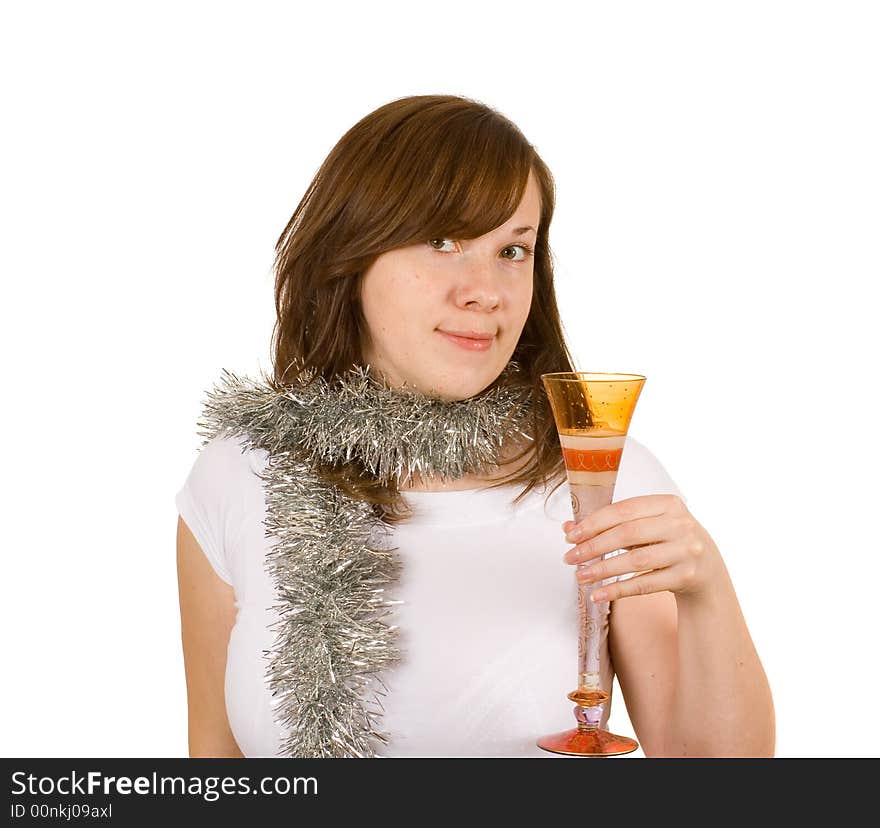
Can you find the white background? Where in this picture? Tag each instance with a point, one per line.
(716, 230)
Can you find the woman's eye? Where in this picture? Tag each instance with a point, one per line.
(526, 250)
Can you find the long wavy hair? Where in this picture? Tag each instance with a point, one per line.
(416, 168)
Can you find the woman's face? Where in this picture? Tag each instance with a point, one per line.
(411, 295)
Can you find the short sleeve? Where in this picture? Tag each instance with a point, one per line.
(641, 473)
(206, 499)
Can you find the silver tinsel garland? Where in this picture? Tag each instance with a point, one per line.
(332, 574)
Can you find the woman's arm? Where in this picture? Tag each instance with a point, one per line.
(723, 702)
(692, 680)
(643, 646)
(686, 663)
(207, 615)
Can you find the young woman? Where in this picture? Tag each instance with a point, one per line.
(421, 249)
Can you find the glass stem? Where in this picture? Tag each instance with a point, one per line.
(588, 638)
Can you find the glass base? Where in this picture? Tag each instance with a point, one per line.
(587, 742)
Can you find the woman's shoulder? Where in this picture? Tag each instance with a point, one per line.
(221, 494)
(223, 477)
(641, 472)
(230, 455)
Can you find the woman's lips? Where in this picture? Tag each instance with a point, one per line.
(468, 344)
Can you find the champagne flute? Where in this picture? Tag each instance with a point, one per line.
(592, 413)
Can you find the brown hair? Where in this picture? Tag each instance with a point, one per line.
(419, 167)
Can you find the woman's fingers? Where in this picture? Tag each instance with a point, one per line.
(637, 559)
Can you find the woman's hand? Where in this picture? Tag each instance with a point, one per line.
(665, 546)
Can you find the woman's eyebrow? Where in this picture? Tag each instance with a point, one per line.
(520, 230)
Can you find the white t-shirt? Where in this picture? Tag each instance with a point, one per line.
(487, 624)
